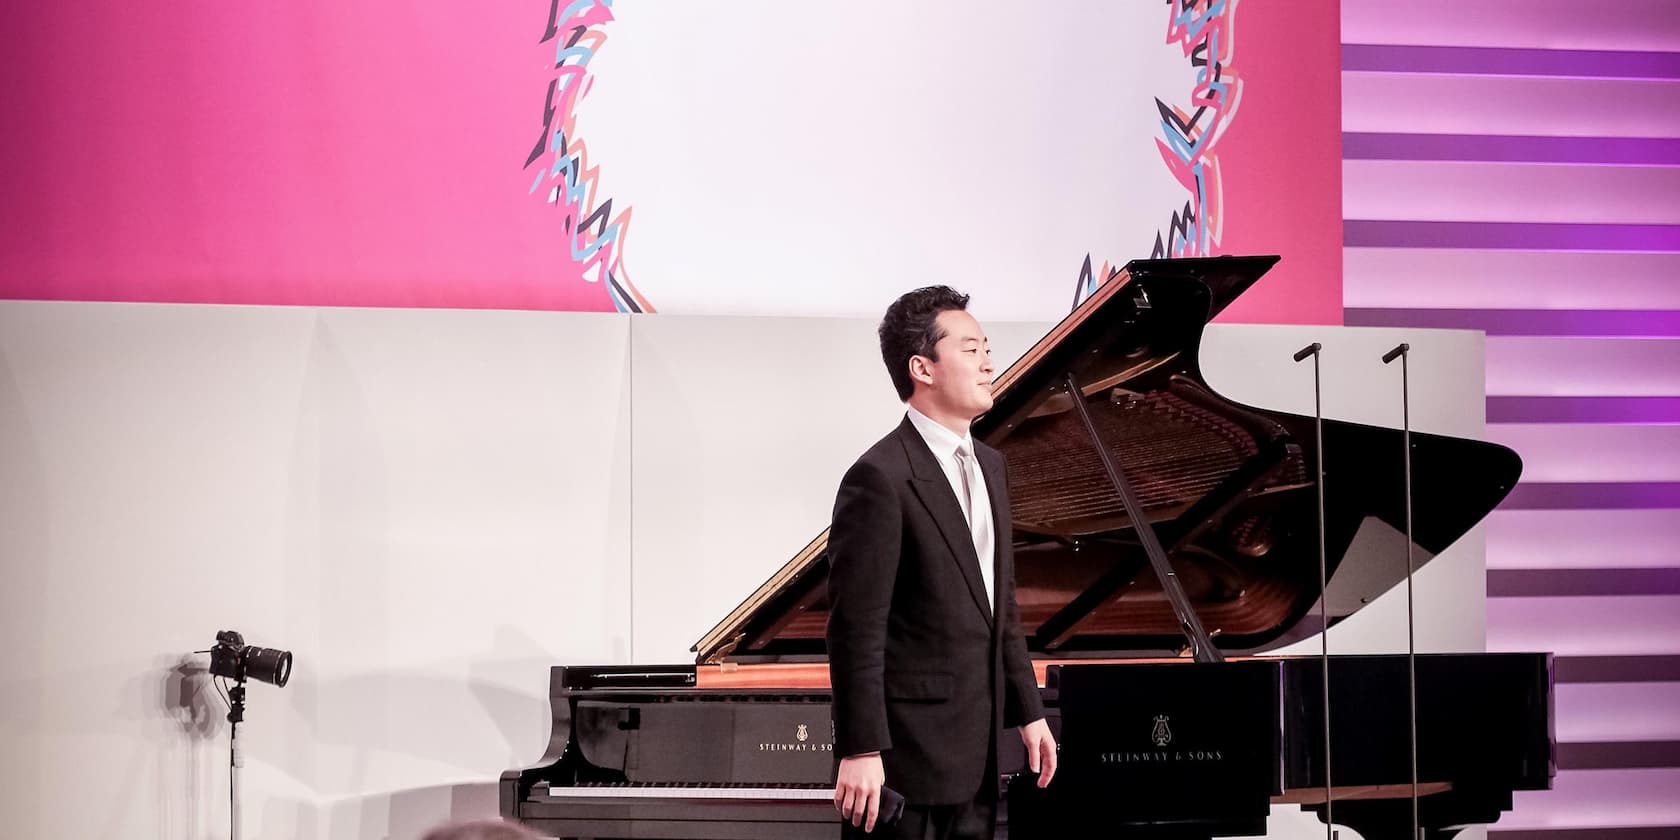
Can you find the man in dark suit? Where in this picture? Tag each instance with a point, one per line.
(926, 657)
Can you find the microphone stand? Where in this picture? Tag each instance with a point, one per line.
(1401, 352)
(1313, 350)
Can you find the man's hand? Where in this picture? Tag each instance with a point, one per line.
(857, 788)
(1041, 750)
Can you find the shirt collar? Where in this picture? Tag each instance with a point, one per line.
(941, 440)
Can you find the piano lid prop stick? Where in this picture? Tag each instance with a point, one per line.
(1313, 350)
(1200, 645)
(1402, 352)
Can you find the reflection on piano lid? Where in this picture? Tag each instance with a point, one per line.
(691, 750)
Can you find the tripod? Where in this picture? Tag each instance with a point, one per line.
(236, 761)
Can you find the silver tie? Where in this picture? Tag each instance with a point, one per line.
(979, 521)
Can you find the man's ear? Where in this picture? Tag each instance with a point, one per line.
(919, 370)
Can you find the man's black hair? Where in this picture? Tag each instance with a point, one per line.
(910, 328)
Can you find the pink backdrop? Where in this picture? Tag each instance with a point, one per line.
(306, 152)
(379, 154)
(1281, 163)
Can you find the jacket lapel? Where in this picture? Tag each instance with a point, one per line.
(934, 490)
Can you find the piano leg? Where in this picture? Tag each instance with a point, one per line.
(1441, 816)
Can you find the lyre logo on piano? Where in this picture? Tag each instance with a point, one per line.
(1161, 735)
(800, 743)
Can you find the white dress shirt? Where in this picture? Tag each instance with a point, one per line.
(944, 444)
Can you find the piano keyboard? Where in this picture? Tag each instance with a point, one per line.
(679, 791)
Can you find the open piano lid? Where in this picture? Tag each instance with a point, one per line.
(1229, 490)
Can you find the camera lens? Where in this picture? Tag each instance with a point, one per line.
(235, 660)
(267, 664)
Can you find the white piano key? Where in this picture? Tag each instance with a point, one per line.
(679, 792)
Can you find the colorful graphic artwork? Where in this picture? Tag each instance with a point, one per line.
(594, 234)
(1205, 31)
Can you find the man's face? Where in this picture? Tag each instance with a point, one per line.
(962, 377)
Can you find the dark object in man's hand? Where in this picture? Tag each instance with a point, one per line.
(891, 808)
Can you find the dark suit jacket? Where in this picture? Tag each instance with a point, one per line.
(920, 669)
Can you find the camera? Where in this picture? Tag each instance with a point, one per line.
(234, 659)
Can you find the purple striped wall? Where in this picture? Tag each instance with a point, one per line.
(1513, 166)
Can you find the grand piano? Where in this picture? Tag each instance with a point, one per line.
(1149, 619)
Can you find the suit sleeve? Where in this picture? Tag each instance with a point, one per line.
(863, 554)
(1022, 703)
